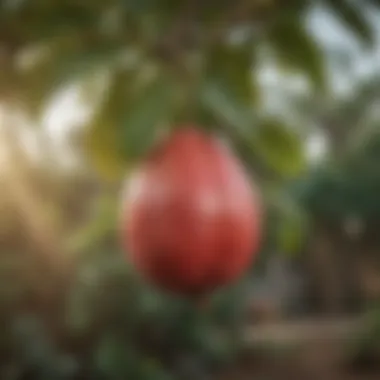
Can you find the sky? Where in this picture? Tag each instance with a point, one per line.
(347, 60)
(336, 38)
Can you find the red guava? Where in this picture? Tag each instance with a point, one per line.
(191, 221)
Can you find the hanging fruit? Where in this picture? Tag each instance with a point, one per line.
(191, 219)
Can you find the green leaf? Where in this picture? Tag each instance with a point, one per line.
(103, 149)
(104, 136)
(360, 138)
(353, 18)
(152, 369)
(291, 222)
(115, 359)
(374, 3)
(56, 65)
(220, 101)
(228, 90)
(231, 66)
(100, 226)
(152, 109)
(126, 126)
(80, 311)
(291, 233)
(295, 48)
(279, 147)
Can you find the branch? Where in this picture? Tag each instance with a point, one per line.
(307, 331)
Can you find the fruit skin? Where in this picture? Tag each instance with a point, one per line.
(191, 220)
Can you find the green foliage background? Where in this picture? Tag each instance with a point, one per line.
(146, 67)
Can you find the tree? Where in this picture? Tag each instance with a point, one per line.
(163, 62)
(145, 66)
(341, 199)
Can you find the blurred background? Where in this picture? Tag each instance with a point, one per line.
(86, 88)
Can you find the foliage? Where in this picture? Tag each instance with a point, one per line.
(164, 63)
(109, 324)
(348, 185)
(348, 189)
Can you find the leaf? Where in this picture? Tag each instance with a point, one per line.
(373, 3)
(226, 108)
(100, 226)
(32, 343)
(291, 225)
(153, 108)
(152, 369)
(56, 64)
(352, 17)
(129, 120)
(360, 138)
(295, 48)
(115, 359)
(279, 147)
(103, 143)
(231, 66)
(291, 233)
(103, 149)
(80, 312)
